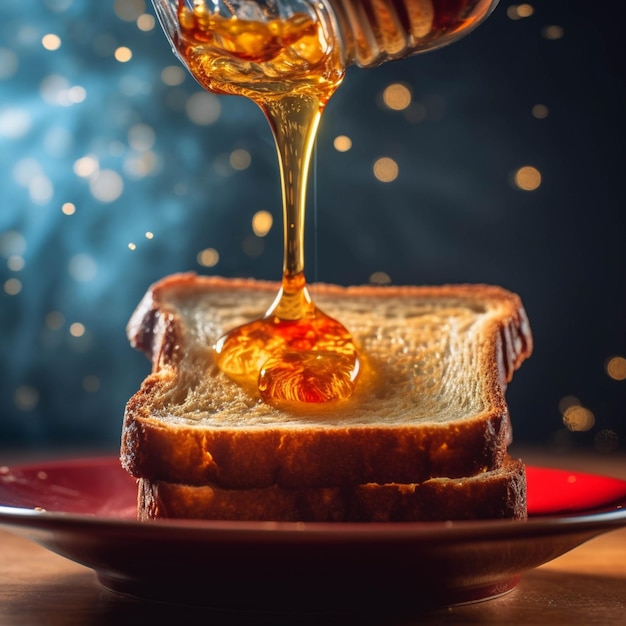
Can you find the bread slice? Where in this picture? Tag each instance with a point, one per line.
(429, 401)
(497, 494)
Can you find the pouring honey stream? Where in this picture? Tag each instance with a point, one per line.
(289, 68)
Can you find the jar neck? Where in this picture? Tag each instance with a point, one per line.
(374, 31)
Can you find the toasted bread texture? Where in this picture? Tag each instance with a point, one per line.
(428, 403)
(496, 494)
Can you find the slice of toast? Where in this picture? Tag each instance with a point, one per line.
(497, 494)
(429, 401)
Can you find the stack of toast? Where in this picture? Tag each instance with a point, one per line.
(424, 436)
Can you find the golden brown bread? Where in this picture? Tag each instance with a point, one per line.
(429, 402)
(498, 494)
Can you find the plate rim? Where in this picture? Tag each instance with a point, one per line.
(599, 518)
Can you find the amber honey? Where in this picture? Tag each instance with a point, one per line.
(259, 60)
(290, 68)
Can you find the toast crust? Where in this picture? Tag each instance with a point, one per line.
(500, 494)
(292, 449)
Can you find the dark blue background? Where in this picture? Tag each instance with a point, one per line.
(452, 215)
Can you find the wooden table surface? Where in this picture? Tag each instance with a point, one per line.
(585, 586)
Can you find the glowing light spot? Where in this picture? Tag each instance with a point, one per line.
(525, 10)
(16, 263)
(397, 97)
(12, 286)
(106, 186)
(203, 108)
(342, 143)
(26, 397)
(519, 11)
(138, 166)
(91, 383)
(240, 159)
(54, 89)
(149, 235)
(616, 368)
(262, 223)
(552, 32)
(26, 169)
(132, 246)
(141, 137)
(540, 111)
(123, 54)
(14, 123)
(82, 268)
(527, 178)
(146, 22)
(77, 329)
(51, 41)
(86, 166)
(209, 257)
(385, 170)
(578, 418)
(380, 278)
(8, 63)
(76, 94)
(173, 75)
(129, 10)
(12, 243)
(68, 208)
(54, 320)
(26, 35)
(40, 189)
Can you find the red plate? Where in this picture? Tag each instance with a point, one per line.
(84, 510)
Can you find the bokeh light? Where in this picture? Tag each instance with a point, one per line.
(385, 170)
(51, 41)
(616, 368)
(129, 10)
(553, 32)
(173, 75)
(123, 54)
(209, 257)
(397, 97)
(342, 143)
(380, 278)
(540, 111)
(520, 11)
(146, 22)
(240, 159)
(262, 222)
(26, 397)
(203, 108)
(578, 418)
(527, 178)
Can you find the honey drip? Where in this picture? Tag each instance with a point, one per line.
(290, 68)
